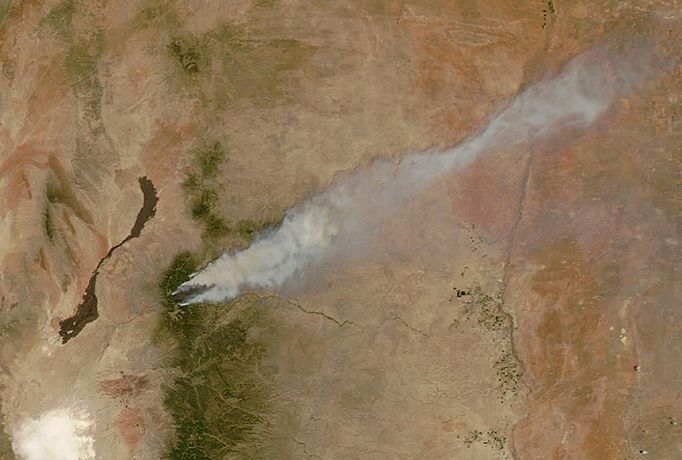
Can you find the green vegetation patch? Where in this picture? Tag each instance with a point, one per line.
(158, 14)
(249, 229)
(6, 451)
(8, 11)
(81, 62)
(85, 45)
(232, 62)
(188, 53)
(59, 191)
(256, 68)
(202, 186)
(59, 18)
(48, 223)
(83, 55)
(265, 3)
(218, 403)
(53, 196)
(183, 265)
(203, 204)
(210, 159)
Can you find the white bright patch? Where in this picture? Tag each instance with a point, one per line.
(60, 434)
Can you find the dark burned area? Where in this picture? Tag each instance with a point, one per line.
(87, 312)
(461, 292)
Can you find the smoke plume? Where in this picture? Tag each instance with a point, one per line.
(344, 216)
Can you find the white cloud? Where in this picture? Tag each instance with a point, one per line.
(60, 434)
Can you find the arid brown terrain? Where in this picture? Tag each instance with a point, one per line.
(526, 306)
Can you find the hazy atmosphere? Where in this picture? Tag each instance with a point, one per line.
(339, 220)
(297, 229)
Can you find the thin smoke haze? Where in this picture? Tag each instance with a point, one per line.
(342, 217)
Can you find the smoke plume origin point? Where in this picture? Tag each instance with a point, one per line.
(343, 217)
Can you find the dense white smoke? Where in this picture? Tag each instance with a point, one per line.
(342, 217)
(61, 434)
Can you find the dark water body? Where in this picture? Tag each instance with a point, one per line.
(86, 312)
